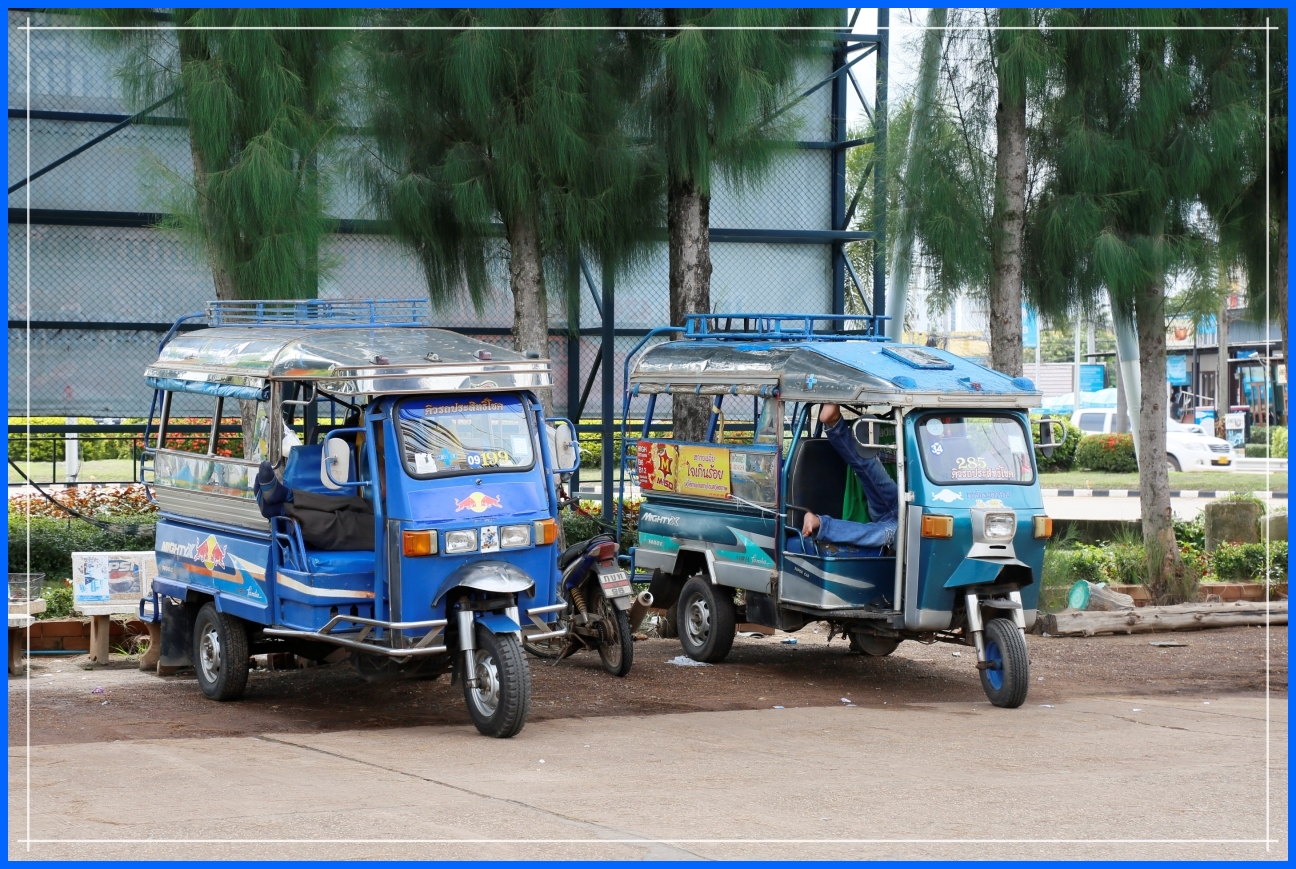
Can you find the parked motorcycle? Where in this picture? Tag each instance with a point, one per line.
(599, 600)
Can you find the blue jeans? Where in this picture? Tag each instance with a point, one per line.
(880, 491)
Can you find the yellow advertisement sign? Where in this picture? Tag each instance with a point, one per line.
(703, 471)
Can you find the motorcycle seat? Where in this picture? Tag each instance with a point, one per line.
(576, 550)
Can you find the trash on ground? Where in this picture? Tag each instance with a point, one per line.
(790, 641)
(755, 635)
(1166, 644)
(686, 661)
(957, 654)
(778, 707)
(97, 691)
(1046, 705)
(845, 700)
(105, 703)
(640, 636)
(1136, 710)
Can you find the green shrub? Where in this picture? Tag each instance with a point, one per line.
(1245, 562)
(1258, 434)
(1191, 532)
(54, 540)
(1127, 564)
(1107, 452)
(1256, 451)
(1064, 456)
(58, 601)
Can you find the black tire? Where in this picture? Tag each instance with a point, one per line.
(220, 654)
(707, 620)
(1006, 686)
(1172, 464)
(617, 648)
(499, 706)
(874, 646)
(668, 626)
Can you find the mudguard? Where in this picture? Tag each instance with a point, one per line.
(498, 623)
(497, 576)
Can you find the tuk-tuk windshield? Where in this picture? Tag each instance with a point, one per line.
(468, 434)
(958, 449)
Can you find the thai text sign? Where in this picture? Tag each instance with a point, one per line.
(702, 471)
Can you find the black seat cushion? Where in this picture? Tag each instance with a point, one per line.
(816, 480)
(333, 522)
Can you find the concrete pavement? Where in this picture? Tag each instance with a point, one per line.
(1094, 778)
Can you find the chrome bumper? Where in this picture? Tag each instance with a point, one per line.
(545, 634)
(360, 639)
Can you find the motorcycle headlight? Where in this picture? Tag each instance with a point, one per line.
(515, 536)
(1000, 526)
(461, 541)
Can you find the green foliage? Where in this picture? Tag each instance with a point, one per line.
(1247, 562)
(1063, 457)
(1267, 441)
(1106, 452)
(54, 540)
(581, 525)
(1191, 532)
(58, 601)
(262, 108)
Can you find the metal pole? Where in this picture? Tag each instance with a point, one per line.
(837, 121)
(1075, 375)
(607, 408)
(572, 286)
(880, 164)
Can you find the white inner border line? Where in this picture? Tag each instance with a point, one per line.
(28, 29)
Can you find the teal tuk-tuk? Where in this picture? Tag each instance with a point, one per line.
(721, 520)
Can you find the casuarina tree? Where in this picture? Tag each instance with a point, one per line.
(504, 121)
(718, 81)
(1134, 142)
(261, 109)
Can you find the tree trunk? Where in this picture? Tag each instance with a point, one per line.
(1168, 579)
(526, 280)
(1007, 228)
(688, 226)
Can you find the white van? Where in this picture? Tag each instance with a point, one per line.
(1187, 447)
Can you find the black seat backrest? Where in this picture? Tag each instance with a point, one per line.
(816, 480)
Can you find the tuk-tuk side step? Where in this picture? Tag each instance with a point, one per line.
(859, 613)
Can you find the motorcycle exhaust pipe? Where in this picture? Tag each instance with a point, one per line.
(639, 609)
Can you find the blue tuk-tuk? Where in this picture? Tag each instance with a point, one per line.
(416, 514)
(721, 531)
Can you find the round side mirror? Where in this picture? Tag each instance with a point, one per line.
(562, 437)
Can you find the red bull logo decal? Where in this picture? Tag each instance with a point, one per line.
(477, 502)
(210, 553)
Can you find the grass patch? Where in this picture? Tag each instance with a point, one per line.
(100, 471)
(1220, 481)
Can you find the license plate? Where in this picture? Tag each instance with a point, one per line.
(615, 583)
(1220, 462)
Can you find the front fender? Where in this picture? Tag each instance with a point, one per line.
(497, 576)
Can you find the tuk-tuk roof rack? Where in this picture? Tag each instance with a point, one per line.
(320, 313)
(785, 327)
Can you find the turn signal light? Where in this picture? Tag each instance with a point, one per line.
(1043, 527)
(937, 526)
(546, 532)
(416, 543)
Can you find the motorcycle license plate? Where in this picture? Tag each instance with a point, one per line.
(615, 583)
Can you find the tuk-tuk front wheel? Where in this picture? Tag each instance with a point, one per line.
(707, 620)
(220, 654)
(1008, 678)
(499, 702)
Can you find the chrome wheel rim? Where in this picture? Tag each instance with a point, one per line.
(486, 696)
(209, 654)
(697, 621)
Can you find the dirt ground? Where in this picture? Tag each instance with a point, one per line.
(760, 673)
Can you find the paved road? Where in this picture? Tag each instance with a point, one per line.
(1174, 778)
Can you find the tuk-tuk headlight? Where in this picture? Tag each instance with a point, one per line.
(1000, 526)
(515, 536)
(461, 541)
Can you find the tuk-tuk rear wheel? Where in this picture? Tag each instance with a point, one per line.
(220, 654)
(707, 620)
(499, 704)
(1007, 683)
(872, 645)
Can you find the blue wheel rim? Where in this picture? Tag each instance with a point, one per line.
(993, 656)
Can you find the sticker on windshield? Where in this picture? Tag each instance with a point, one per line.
(424, 463)
(977, 468)
(490, 541)
(937, 449)
(935, 427)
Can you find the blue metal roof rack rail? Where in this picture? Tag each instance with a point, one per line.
(320, 313)
(785, 327)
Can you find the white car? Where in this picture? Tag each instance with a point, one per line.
(1187, 447)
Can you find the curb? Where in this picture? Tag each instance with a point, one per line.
(1174, 493)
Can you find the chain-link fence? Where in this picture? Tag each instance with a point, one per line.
(94, 284)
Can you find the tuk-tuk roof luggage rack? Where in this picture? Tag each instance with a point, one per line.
(786, 327)
(320, 313)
